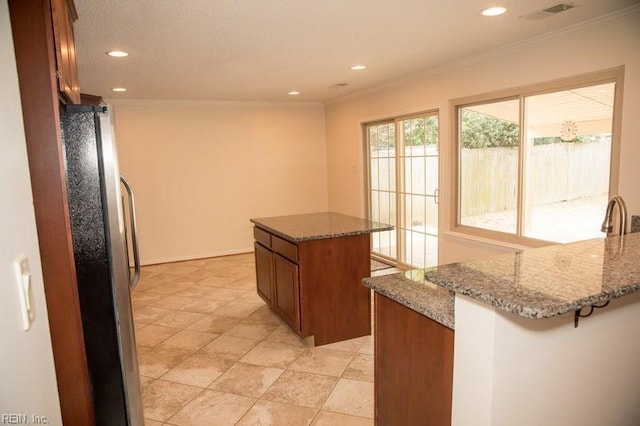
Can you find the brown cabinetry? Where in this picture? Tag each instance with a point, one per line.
(315, 285)
(413, 365)
(31, 26)
(64, 15)
(287, 301)
(264, 272)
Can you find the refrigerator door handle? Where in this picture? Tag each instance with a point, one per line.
(134, 234)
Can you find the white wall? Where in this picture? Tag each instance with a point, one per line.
(27, 376)
(510, 370)
(599, 45)
(201, 170)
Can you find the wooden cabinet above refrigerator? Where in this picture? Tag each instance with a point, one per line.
(64, 15)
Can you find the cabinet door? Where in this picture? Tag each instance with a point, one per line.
(264, 272)
(287, 300)
(413, 367)
(64, 15)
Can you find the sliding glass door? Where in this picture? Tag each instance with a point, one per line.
(402, 188)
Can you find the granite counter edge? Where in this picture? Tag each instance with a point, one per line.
(531, 311)
(318, 236)
(437, 306)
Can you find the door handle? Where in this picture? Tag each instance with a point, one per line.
(134, 233)
(436, 195)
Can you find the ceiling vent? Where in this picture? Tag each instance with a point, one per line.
(339, 85)
(550, 11)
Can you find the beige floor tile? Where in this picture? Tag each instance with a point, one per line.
(229, 347)
(172, 302)
(277, 414)
(152, 335)
(167, 284)
(283, 334)
(149, 422)
(179, 319)
(145, 381)
(213, 323)
(156, 362)
(199, 272)
(236, 310)
(223, 294)
(187, 341)
(145, 298)
(367, 345)
(202, 306)
(201, 325)
(251, 330)
(272, 354)
(322, 361)
(304, 389)
(327, 418)
(239, 282)
(213, 281)
(148, 314)
(196, 291)
(167, 289)
(247, 379)
(198, 370)
(263, 315)
(351, 397)
(213, 408)
(251, 296)
(351, 345)
(163, 399)
(360, 368)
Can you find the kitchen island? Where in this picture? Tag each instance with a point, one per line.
(544, 336)
(309, 268)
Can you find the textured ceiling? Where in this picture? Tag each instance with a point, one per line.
(259, 50)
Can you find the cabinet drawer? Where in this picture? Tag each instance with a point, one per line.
(263, 237)
(285, 248)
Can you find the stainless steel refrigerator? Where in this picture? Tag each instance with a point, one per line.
(101, 244)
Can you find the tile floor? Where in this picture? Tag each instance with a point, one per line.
(212, 353)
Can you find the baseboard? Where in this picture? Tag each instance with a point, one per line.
(148, 262)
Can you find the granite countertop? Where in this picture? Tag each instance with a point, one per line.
(536, 283)
(549, 281)
(411, 290)
(316, 226)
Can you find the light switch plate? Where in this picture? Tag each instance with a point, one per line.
(23, 281)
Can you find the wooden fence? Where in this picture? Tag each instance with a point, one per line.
(555, 172)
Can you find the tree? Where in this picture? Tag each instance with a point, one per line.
(421, 131)
(483, 131)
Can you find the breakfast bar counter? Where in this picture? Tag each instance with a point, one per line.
(542, 336)
(309, 268)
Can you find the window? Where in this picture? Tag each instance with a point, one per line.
(536, 165)
(402, 188)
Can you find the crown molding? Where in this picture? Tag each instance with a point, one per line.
(483, 56)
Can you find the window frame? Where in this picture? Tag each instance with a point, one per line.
(613, 75)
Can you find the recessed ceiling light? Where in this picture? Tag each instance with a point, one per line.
(294, 93)
(117, 53)
(358, 67)
(119, 89)
(494, 11)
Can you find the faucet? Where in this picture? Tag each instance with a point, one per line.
(607, 224)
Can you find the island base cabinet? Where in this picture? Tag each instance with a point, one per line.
(413, 367)
(315, 286)
(334, 304)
